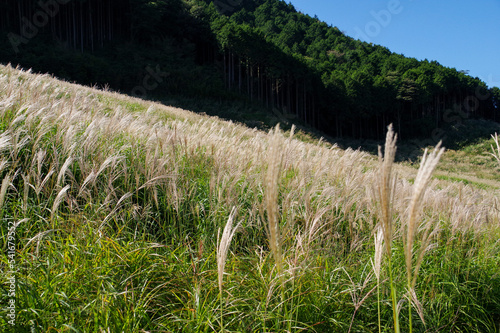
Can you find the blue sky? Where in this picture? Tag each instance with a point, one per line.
(461, 34)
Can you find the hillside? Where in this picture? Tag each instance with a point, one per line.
(242, 60)
(114, 210)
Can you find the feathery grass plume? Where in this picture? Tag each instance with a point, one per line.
(59, 198)
(3, 192)
(26, 189)
(223, 245)
(386, 186)
(429, 163)
(117, 207)
(64, 169)
(495, 154)
(222, 249)
(377, 265)
(3, 164)
(89, 179)
(5, 141)
(274, 159)
(379, 251)
(427, 166)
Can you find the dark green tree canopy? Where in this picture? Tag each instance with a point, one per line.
(263, 49)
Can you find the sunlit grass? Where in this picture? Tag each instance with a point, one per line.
(118, 205)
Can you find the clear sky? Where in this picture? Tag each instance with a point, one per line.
(462, 34)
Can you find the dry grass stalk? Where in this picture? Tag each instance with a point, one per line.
(385, 194)
(61, 177)
(427, 166)
(5, 142)
(271, 183)
(379, 251)
(223, 246)
(26, 189)
(377, 265)
(59, 198)
(3, 191)
(386, 185)
(117, 207)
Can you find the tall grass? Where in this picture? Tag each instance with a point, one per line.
(119, 204)
(413, 224)
(222, 250)
(386, 191)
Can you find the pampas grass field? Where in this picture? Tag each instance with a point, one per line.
(122, 215)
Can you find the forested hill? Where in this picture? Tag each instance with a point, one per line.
(261, 51)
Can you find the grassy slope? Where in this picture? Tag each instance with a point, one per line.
(473, 164)
(119, 202)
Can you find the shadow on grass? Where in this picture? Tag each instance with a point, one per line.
(471, 132)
